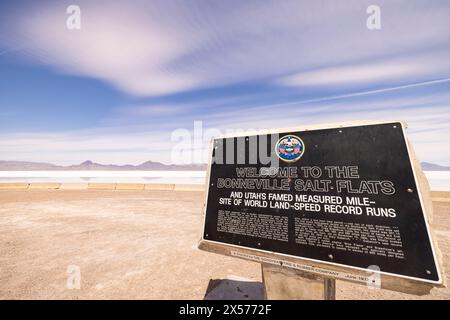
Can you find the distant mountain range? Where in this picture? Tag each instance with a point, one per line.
(89, 165)
(426, 166)
(148, 165)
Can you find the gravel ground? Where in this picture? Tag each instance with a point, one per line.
(130, 245)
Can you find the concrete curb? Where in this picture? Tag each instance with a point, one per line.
(130, 186)
(14, 186)
(440, 199)
(189, 187)
(44, 186)
(440, 196)
(165, 187)
(73, 186)
(101, 186)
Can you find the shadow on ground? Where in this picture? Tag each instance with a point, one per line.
(228, 289)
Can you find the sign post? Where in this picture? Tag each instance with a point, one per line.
(317, 204)
(285, 283)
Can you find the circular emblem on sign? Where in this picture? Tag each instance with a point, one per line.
(290, 148)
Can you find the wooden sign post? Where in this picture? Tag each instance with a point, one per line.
(313, 205)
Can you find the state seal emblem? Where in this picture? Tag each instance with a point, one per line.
(290, 148)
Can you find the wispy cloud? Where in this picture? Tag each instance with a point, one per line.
(129, 46)
(160, 47)
(388, 71)
(316, 61)
(427, 115)
(373, 92)
(354, 74)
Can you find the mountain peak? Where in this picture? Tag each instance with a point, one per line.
(148, 162)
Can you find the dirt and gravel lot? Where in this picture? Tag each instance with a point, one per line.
(130, 245)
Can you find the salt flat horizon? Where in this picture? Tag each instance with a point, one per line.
(438, 180)
(99, 176)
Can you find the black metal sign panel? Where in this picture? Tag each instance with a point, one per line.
(345, 196)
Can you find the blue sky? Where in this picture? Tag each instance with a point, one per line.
(115, 90)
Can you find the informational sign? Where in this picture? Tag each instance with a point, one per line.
(343, 196)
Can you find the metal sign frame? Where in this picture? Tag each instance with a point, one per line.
(227, 248)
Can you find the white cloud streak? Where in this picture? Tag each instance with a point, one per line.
(427, 117)
(161, 47)
(354, 74)
(151, 48)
